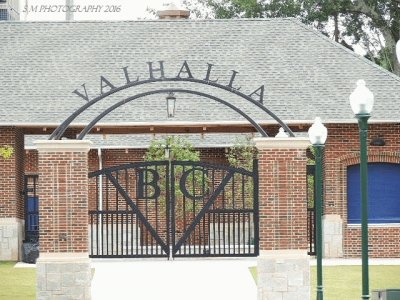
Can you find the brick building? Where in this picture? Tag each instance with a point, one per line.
(55, 68)
(9, 10)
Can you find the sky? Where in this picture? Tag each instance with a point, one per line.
(40, 10)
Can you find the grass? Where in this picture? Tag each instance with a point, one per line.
(17, 283)
(344, 282)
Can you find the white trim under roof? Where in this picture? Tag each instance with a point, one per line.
(94, 146)
(182, 123)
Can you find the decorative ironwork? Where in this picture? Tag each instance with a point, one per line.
(129, 99)
(311, 213)
(31, 208)
(59, 131)
(172, 209)
(124, 225)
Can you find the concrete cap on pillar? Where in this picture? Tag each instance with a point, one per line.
(281, 143)
(63, 145)
(172, 12)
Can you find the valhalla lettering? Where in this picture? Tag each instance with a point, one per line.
(157, 73)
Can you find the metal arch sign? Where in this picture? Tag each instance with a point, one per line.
(157, 74)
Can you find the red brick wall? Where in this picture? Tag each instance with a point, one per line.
(114, 157)
(342, 150)
(63, 202)
(19, 173)
(383, 242)
(213, 155)
(31, 162)
(11, 174)
(282, 197)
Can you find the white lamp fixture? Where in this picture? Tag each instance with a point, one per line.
(317, 132)
(361, 99)
(282, 133)
(171, 99)
(398, 51)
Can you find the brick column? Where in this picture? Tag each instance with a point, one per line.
(63, 266)
(283, 264)
(11, 196)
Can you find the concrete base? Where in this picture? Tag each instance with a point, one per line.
(283, 275)
(63, 276)
(11, 236)
(333, 236)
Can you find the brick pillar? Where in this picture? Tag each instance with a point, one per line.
(283, 264)
(11, 196)
(63, 266)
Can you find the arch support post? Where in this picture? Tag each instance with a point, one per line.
(63, 266)
(283, 265)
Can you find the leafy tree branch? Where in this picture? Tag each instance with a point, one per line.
(6, 152)
(367, 23)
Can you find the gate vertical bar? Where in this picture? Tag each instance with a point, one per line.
(256, 208)
(170, 177)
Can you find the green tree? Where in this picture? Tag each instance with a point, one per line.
(374, 25)
(172, 148)
(6, 152)
(242, 154)
(177, 148)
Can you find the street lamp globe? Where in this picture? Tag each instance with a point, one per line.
(361, 99)
(317, 132)
(398, 51)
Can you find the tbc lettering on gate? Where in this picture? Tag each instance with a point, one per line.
(148, 186)
(145, 181)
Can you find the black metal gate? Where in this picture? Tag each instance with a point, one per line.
(173, 209)
(311, 217)
(31, 208)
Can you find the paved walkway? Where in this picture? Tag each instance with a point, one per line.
(205, 279)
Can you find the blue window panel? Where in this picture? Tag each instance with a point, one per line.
(383, 193)
(33, 213)
(3, 14)
(33, 204)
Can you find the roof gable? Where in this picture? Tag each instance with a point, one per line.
(304, 73)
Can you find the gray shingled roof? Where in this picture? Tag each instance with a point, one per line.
(305, 74)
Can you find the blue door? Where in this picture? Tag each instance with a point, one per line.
(383, 193)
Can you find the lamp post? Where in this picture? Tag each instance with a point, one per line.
(317, 135)
(171, 99)
(398, 51)
(362, 101)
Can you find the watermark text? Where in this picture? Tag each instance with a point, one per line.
(72, 8)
